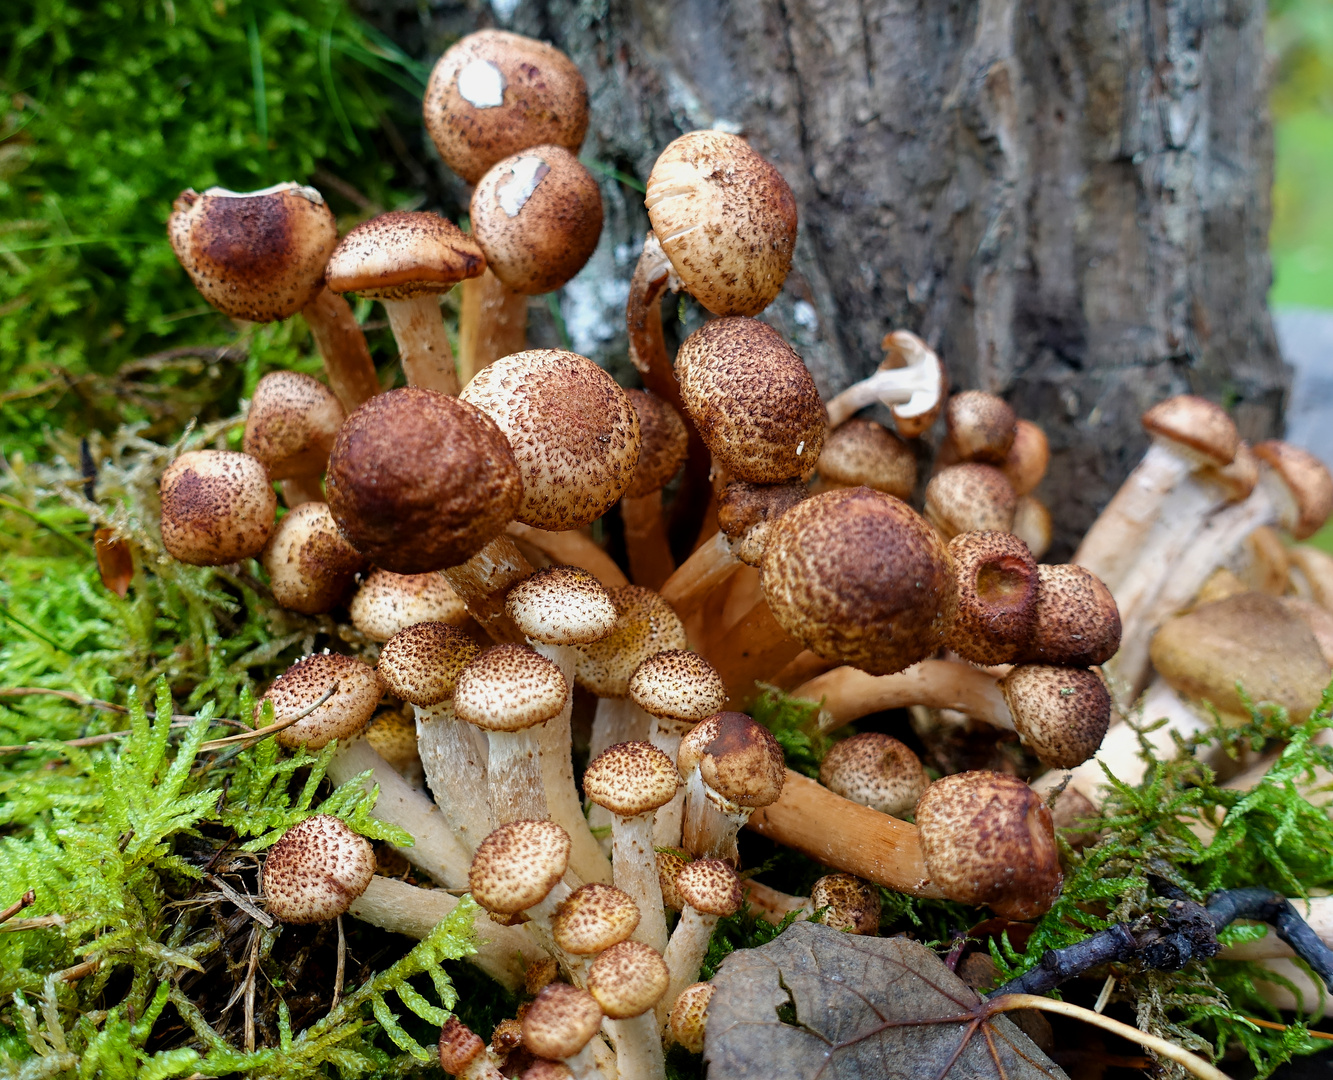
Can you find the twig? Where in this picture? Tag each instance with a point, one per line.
(243, 902)
(250, 993)
(1264, 905)
(39, 923)
(342, 966)
(247, 737)
(1283, 1027)
(18, 905)
(78, 971)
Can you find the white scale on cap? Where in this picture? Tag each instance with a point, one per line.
(526, 173)
(481, 84)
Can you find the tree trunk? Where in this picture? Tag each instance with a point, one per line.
(1069, 199)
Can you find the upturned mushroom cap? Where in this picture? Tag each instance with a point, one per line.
(752, 400)
(316, 870)
(875, 770)
(645, 624)
(711, 887)
(310, 564)
(255, 255)
(677, 685)
(725, 218)
(458, 1047)
(562, 605)
(494, 93)
(670, 862)
(1195, 427)
(862, 452)
(537, 216)
(1026, 462)
(509, 688)
(981, 426)
(746, 512)
(403, 254)
(517, 865)
(1060, 713)
(1033, 524)
(859, 578)
(631, 778)
(628, 979)
(970, 497)
(293, 421)
(904, 350)
(1307, 483)
(422, 663)
(997, 597)
(1078, 623)
(343, 715)
(574, 432)
(853, 905)
(388, 602)
(593, 918)
(988, 839)
(736, 757)
(559, 1023)
(665, 444)
(218, 507)
(419, 480)
(689, 1015)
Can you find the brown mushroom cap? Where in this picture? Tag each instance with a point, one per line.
(559, 1023)
(562, 605)
(752, 399)
(255, 255)
(509, 688)
(631, 778)
(1307, 482)
(736, 757)
(403, 254)
(627, 979)
(315, 871)
(517, 865)
(1060, 713)
(875, 770)
(458, 1046)
(858, 577)
(494, 93)
(574, 432)
(862, 452)
(711, 887)
(982, 426)
(689, 1015)
(853, 905)
(305, 682)
(725, 218)
(746, 512)
(593, 918)
(969, 498)
(541, 1069)
(292, 423)
(419, 480)
(988, 839)
(1078, 623)
(388, 602)
(997, 597)
(678, 685)
(665, 444)
(422, 663)
(1033, 524)
(1197, 428)
(645, 624)
(310, 564)
(218, 507)
(670, 862)
(1026, 462)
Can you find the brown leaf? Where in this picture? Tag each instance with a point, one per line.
(817, 1003)
(114, 561)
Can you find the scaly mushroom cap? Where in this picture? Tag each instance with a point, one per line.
(711, 887)
(393, 735)
(293, 421)
(1026, 462)
(1033, 525)
(725, 218)
(853, 905)
(574, 432)
(388, 602)
(752, 399)
(689, 1015)
(458, 1047)
(562, 605)
(970, 497)
(628, 979)
(1195, 427)
(665, 444)
(631, 778)
(517, 865)
(494, 93)
(541, 1069)
(670, 862)
(342, 716)
(255, 255)
(988, 839)
(593, 918)
(859, 578)
(1060, 713)
(678, 685)
(310, 564)
(559, 1023)
(981, 426)
(736, 757)
(862, 452)
(1307, 482)
(218, 507)
(509, 688)
(403, 254)
(875, 770)
(422, 663)
(419, 480)
(1078, 623)
(537, 216)
(645, 624)
(997, 597)
(316, 870)
(746, 512)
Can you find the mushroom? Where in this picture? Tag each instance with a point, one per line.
(970, 497)
(864, 453)
(311, 566)
(688, 1016)
(594, 917)
(848, 904)
(875, 770)
(670, 862)
(393, 735)
(464, 1055)
(291, 426)
(1078, 623)
(982, 427)
(1033, 524)
(517, 871)
(711, 890)
(731, 766)
(1025, 464)
(628, 980)
(665, 446)
(315, 871)
(218, 507)
(998, 594)
(561, 1024)
(1312, 574)
(910, 381)
(357, 689)
(387, 602)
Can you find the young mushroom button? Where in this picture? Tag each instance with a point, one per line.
(875, 770)
(982, 427)
(689, 1015)
(1078, 623)
(850, 904)
(218, 507)
(301, 689)
(311, 566)
(1060, 713)
(315, 871)
(464, 1055)
(1025, 464)
(628, 980)
(711, 890)
(997, 597)
(968, 498)
(561, 1024)
(862, 452)
(291, 426)
(593, 918)
(517, 871)
(387, 602)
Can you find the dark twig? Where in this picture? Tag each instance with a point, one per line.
(1264, 905)
(18, 905)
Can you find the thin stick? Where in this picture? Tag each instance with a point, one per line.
(243, 902)
(1283, 1027)
(259, 734)
(250, 993)
(18, 905)
(342, 965)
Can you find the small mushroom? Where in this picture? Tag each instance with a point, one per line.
(875, 770)
(218, 507)
(628, 980)
(689, 1015)
(982, 427)
(998, 594)
(849, 904)
(910, 381)
(1078, 624)
(561, 1024)
(1061, 714)
(311, 567)
(464, 1055)
(1033, 524)
(356, 687)
(291, 426)
(593, 918)
(1028, 457)
(970, 497)
(387, 602)
(665, 447)
(862, 452)
(731, 767)
(517, 872)
(315, 871)
(711, 890)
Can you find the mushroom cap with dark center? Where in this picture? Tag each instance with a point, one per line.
(736, 757)
(981, 426)
(665, 444)
(419, 480)
(670, 862)
(1026, 462)
(875, 770)
(218, 507)
(1060, 713)
(678, 685)
(315, 871)
(559, 1023)
(752, 400)
(997, 597)
(628, 979)
(593, 918)
(459, 1047)
(689, 1015)
(711, 887)
(422, 663)
(403, 254)
(862, 452)
(562, 605)
(310, 564)
(1307, 480)
(1196, 427)
(388, 602)
(746, 512)
(292, 423)
(860, 578)
(517, 865)
(494, 93)
(853, 905)
(631, 778)
(970, 497)
(645, 624)
(725, 218)
(509, 688)
(341, 716)
(1078, 623)
(574, 432)
(256, 255)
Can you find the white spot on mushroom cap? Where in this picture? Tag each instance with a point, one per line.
(527, 173)
(482, 84)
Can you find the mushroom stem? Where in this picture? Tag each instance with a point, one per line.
(639, 1053)
(755, 647)
(455, 771)
(617, 720)
(707, 569)
(343, 346)
(571, 547)
(665, 734)
(650, 561)
(773, 905)
(711, 821)
(301, 489)
(635, 865)
(685, 954)
(514, 777)
(492, 322)
(847, 693)
(423, 344)
(894, 386)
(483, 582)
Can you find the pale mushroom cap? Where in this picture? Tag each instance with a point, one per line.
(419, 480)
(970, 497)
(458, 1046)
(670, 862)
(903, 349)
(628, 979)
(292, 423)
(645, 624)
(997, 597)
(752, 400)
(494, 93)
(393, 735)
(218, 507)
(665, 444)
(1026, 462)
(859, 578)
(875, 770)
(562, 605)
(542, 1069)
(725, 218)
(678, 685)
(574, 432)
(981, 425)
(746, 513)
(689, 1015)
(736, 757)
(631, 778)
(517, 865)
(593, 918)
(422, 663)
(257, 255)
(853, 905)
(1198, 428)
(711, 887)
(388, 602)
(988, 839)
(316, 870)
(1033, 524)
(311, 566)
(342, 716)
(559, 1023)
(1061, 713)
(1078, 623)
(862, 452)
(509, 688)
(403, 254)
(1306, 479)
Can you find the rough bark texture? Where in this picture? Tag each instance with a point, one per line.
(1069, 199)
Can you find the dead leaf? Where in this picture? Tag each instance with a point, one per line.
(114, 561)
(817, 1003)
